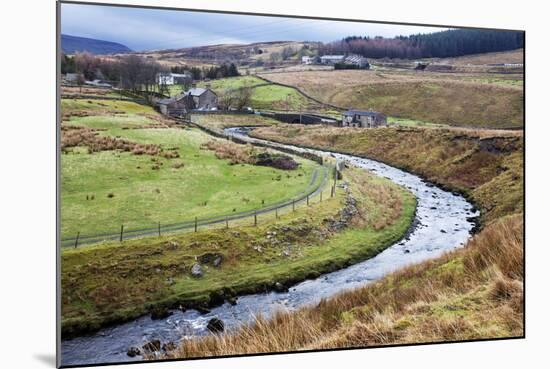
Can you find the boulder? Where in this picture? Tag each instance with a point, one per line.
(215, 325)
(196, 271)
(133, 351)
(279, 287)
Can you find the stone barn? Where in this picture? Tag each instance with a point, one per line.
(194, 99)
(363, 119)
(202, 98)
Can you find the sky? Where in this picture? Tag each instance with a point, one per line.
(155, 29)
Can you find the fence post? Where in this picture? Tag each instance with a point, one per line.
(276, 213)
(255, 219)
(195, 224)
(226, 223)
(307, 200)
(321, 196)
(121, 231)
(332, 191)
(76, 242)
(293, 202)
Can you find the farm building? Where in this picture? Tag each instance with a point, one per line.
(357, 60)
(307, 59)
(202, 98)
(195, 98)
(173, 78)
(363, 119)
(332, 59)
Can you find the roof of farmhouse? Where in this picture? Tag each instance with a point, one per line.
(196, 91)
(332, 56)
(362, 112)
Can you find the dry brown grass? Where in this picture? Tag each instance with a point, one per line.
(472, 293)
(236, 154)
(454, 99)
(73, 136)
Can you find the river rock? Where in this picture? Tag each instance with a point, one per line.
(151, 346)
(160, 313)
(279, 287)
(133, 351)
(216, 298)
(215, 325)
(196, 271)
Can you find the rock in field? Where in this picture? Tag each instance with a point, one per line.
(215, 325)
(196, 270)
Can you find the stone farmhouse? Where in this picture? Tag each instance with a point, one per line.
(363, 119)
(195, 99)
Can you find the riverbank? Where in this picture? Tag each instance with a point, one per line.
(485, 166)
(113, 283)
(472, 293)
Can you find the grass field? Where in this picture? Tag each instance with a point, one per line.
(473, 100)
(117, 281)
(106, 189)
(271, 97)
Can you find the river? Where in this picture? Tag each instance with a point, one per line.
(442, 224)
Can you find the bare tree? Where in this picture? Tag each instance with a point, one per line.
(242, 97)
(226, 99)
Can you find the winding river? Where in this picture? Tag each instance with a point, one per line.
(441, 225)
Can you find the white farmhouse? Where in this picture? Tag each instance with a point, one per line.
(307, 60)
(172, 78)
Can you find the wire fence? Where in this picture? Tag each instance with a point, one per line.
(314, 192)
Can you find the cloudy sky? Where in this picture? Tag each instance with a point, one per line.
(149, 29)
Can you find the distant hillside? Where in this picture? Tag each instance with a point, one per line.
(72, 44)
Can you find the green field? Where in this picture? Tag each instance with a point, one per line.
(219, 85)
(272, 97)
(116, 281)
(141, 190)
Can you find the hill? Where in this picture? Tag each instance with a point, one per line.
(72, 44)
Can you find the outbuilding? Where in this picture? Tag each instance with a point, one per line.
(363, 119)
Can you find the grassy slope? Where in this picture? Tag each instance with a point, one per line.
(471, 293)
(264, 97)
(204, 186)
(486, 165)
(114, 282)
(461, 100)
